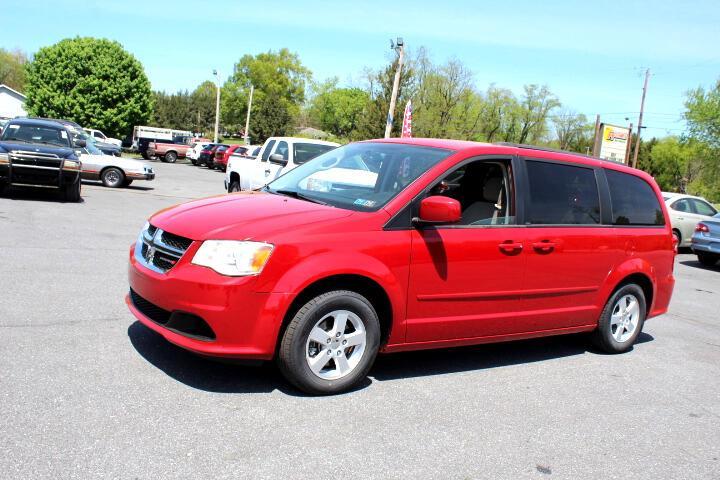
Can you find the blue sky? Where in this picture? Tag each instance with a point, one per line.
(590, 54)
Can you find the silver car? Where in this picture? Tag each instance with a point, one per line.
(706, 241)
(686, 212)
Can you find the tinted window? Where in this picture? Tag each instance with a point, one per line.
(682, 205)
(562, 195)
(267, 151)
(284, 150)
(633, 200)
(702, 208)
(302, 152)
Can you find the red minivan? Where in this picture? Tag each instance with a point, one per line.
(405, 244)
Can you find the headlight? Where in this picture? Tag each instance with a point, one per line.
(4, 158)
(233, 258)
(71, 165)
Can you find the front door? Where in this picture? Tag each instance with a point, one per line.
(465, 279)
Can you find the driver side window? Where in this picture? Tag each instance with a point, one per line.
(484, 190)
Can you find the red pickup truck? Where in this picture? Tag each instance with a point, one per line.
(168, 152)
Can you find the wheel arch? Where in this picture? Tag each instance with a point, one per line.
(108, 167)
(361, 284)
(644, 282)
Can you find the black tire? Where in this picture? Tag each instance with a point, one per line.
(193, 161)
(3, 189)
(234, 186)
(708, 259)
(71, 191)
(603, 337)
(294, 347)
(170, 157)
(112, 177)
(145, 155)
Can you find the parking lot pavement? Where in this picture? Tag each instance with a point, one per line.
(87, 392)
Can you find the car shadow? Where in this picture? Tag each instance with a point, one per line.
(36, 194)
(697, 264)
(98, 183)
(223, 377)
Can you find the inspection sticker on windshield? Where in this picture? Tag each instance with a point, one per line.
(364, 203)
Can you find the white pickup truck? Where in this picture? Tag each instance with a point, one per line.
(277, 156)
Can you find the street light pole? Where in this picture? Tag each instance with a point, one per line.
(400, 48)
(217, 106)
(640, 119)
(247, 119)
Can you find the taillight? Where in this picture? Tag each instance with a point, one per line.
(701, 227)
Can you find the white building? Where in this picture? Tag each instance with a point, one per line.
(12, 103)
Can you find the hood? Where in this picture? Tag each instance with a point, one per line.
(62, 152)
(243, 216)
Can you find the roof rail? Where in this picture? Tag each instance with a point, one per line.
(554, 150)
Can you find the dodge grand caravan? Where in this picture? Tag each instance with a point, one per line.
(449, 243)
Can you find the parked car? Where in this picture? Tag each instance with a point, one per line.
(167, 152)
(206, 154)
(101, 137)
(218, 153)
(142, 136)
(221, 157)
(209, 160)
(705, 242)
(685, 213)
(277, 156)
(112, 171)
(454, 243)
(107, 148)
(40, 153)
(195, 148)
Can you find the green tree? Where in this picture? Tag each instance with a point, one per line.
(202, 108)
(337, 110)
(271, 118)
(573, 132)
(12, 69)
(535, 107)
(173, 110)
(94, 82)
(703, 114)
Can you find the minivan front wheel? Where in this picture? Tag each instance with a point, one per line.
(621, 320)
(331, 343)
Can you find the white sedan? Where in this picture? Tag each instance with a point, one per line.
(686, 211)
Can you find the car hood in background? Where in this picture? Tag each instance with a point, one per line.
(243, 216)
(62, 152)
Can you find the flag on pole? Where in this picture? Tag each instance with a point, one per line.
(407, 121)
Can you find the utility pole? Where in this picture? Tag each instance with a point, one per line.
(640, 118)
(217, 106)
(628, 147)
(596, 143)
(400, 48)
(247, 119)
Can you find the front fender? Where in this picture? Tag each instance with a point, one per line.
(327, 264)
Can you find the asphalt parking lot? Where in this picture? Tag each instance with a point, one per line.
(88, 392)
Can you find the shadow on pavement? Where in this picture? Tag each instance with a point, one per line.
(220, 377)
(36, 194)
(481, 357)
(697, 264)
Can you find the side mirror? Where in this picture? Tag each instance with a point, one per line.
(277, 158)
(80, 143)
(438, 209)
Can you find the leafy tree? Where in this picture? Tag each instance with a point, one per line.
(271, 117)
(337, 110)
(499, 114)
(12, 69)
(703, 114)
(94, 82)
(202, 108)
(535, 108)
(172, 110)
(573, 131)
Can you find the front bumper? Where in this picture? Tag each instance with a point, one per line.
(141, 176)
(245, 323)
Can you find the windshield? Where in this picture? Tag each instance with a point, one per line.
(36, 134)
(359, 176)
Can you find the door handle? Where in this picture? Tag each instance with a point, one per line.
(267, 172)
(543, 247)
(510, 247)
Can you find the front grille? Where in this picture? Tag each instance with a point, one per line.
(176, 241)
(160, 250)
(150, 310)
(22, 158)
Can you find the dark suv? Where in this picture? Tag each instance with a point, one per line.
(40, 153)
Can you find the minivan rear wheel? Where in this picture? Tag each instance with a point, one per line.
(621, 320)
(331, 343)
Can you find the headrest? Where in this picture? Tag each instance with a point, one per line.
(491, 189)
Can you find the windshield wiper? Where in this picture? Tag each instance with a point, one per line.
(294, 194)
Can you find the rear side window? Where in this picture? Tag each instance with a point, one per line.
(302, 152)
(633, 200)
(702, 208)
(562, 195)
